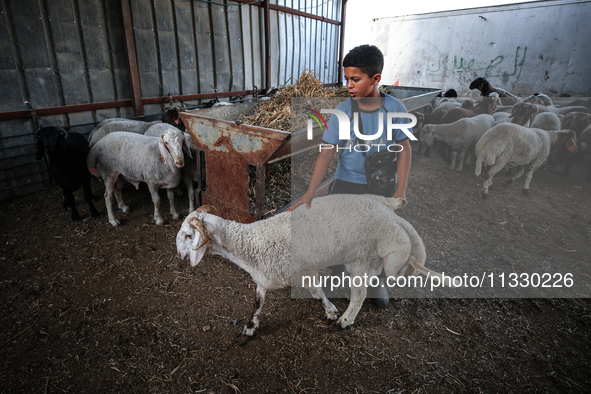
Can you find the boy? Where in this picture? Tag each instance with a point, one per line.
(363, 67)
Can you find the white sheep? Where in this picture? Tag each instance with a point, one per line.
(122, 156)
(546, 121)
(502, 117)
(191, 172)
(285, 249)
(461, 135)
(509, 145)
(108, 126)
(539, 98)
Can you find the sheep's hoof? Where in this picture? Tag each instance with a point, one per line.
(484, 195)
(114, 222)
(330, 321)
(525, 191)
(244, 339)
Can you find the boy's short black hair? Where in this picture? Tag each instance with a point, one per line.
(368, 58)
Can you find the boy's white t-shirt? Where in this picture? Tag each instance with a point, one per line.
(351, 167)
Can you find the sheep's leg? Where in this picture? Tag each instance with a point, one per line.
(173, 212)
(109, 186)
(156, 201)
(358, 294)
(88, 197)
(249, 329)
(490, 173)
(461, 162)
(517, 174)
(70, 202)
(120, 203)
(453, 160)
(118, 185)
(529, 174)
(331, 311)
(191, 193)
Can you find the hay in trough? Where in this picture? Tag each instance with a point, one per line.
(276, 113)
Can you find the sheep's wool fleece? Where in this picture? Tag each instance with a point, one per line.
(344, 228)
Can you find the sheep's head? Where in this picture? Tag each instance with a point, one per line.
(477, 83)
(521, 113)
(571, 141)
(48, 138)
(171, 116)
(427, 135)
(172, 144)
(193, 237)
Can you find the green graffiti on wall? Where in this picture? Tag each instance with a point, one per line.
(493, 69)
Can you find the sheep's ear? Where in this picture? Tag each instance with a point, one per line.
(197, 253)
(571, 142)
(208, 209)
(162, 148)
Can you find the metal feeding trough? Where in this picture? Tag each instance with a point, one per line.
(230, 149)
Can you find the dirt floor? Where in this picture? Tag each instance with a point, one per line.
(90, 308)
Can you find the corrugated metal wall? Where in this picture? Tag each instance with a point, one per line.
(64, 53)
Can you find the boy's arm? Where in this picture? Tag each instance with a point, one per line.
(320, 169)
(404, 160)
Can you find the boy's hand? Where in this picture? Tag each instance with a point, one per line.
(400, 194)
(305, 199)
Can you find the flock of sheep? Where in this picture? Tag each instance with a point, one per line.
(503, 131)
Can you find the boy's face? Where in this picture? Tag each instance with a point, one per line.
(360, 84)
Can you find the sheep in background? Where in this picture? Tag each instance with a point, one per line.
(121, 156)
(576, 121)
(501, 117)
(461, 135)
(539, 99)
(486, 89)
(584, 151)
(191, 171)
(66, 161)
(110, 126)
(172, 117)
(107, 126)
(509, 144)
(486, 106)
(279, 251)
(522, 113)
(546, 121)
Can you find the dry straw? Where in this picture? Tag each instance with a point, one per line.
(280, 113)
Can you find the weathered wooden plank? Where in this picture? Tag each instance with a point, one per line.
(189, 83)
(222, 61)
(204, 50)
(235, 41)
(247, 45)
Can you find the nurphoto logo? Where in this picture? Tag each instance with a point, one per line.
(344, 129)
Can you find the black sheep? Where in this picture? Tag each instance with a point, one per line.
(66, 156)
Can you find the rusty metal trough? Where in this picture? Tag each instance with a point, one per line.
(230, 148)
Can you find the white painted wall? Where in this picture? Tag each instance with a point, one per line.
(542, 46)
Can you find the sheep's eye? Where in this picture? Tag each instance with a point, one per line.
(189, 236)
